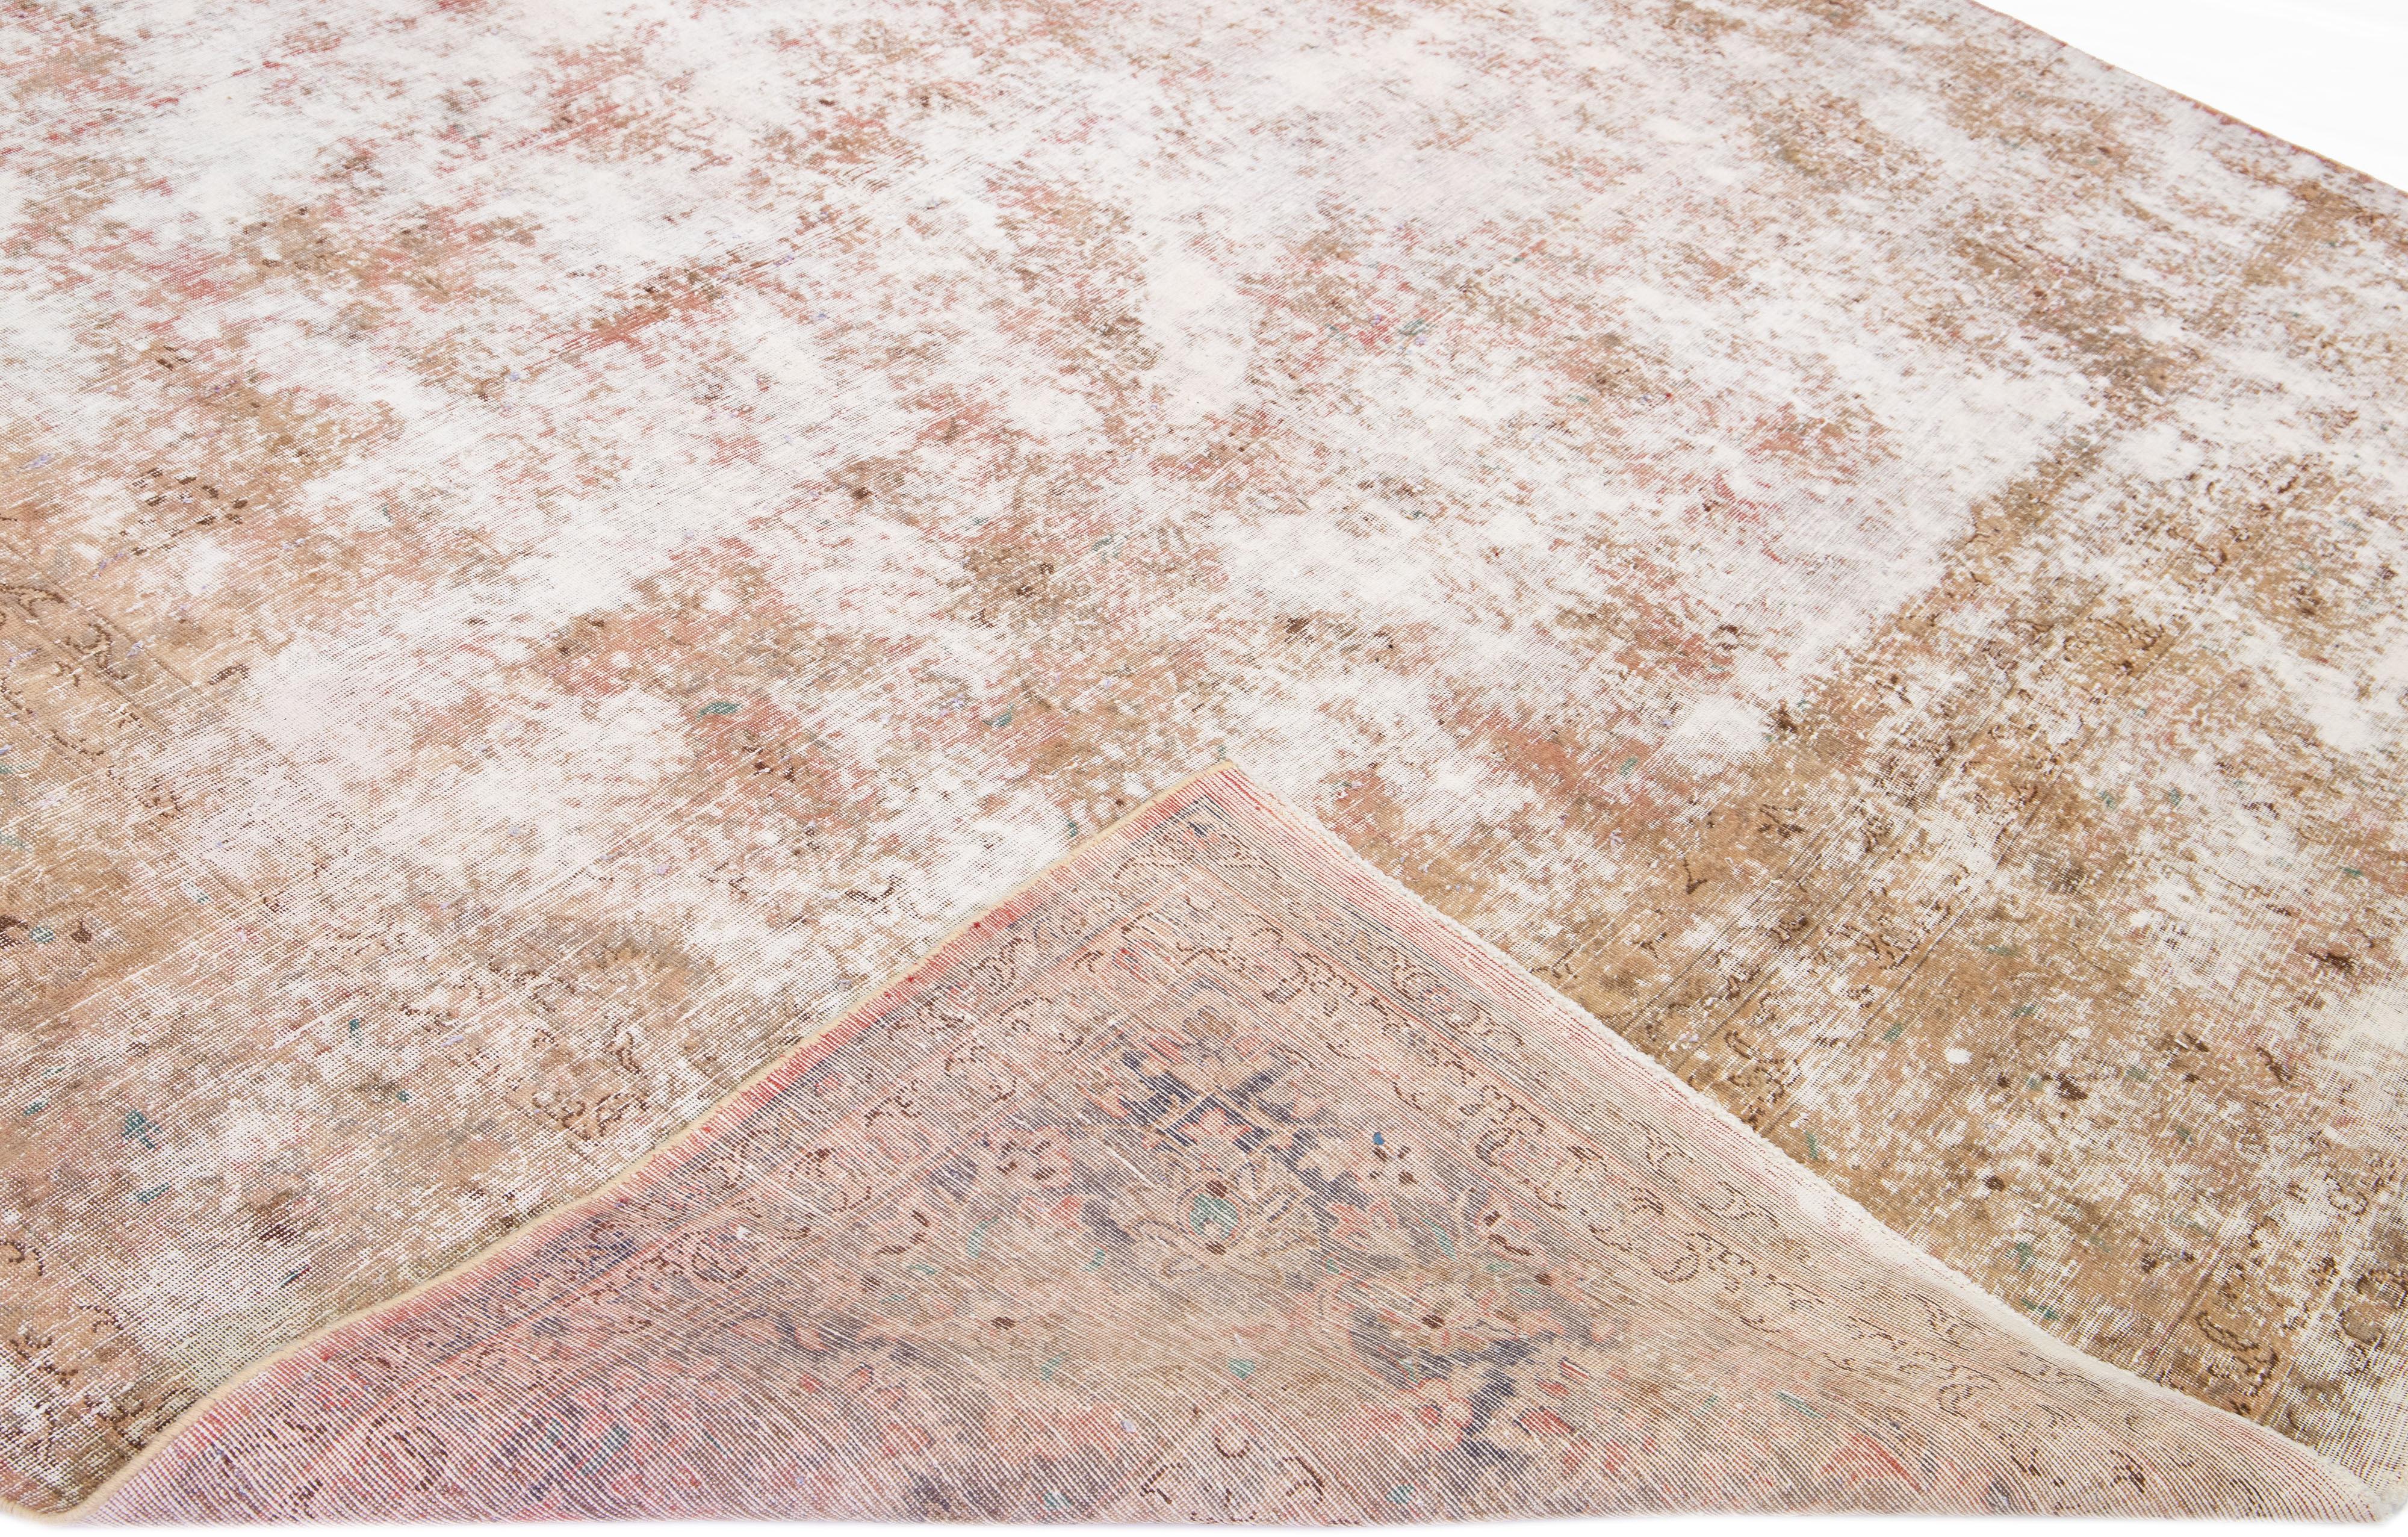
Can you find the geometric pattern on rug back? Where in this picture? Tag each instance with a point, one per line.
(1211, 1178)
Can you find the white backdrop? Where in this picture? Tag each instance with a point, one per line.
(2331, 75)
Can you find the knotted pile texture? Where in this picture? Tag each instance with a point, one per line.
(545, 549)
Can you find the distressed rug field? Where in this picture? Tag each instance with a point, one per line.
(1211, 1178)
(1811, 591)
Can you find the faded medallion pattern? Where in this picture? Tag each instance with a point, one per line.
(1212, 1178)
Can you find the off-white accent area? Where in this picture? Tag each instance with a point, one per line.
(2325, 74)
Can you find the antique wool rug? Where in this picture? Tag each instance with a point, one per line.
(1211, 1178)
(1808, 593)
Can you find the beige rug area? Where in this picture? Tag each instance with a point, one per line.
(1212, 1178)
(545, 550)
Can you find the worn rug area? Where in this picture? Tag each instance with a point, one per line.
(545, 550)
(1212, 1178)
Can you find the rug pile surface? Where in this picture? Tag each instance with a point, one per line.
(547, 554)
